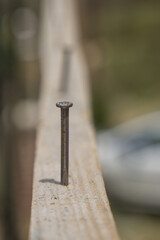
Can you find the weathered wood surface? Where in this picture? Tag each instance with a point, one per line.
(81, 210)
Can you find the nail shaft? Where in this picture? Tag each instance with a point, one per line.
(64, 145)
(64, 140)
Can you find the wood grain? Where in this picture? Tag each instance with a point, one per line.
(81, 210)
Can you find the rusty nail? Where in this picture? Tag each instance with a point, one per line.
(64, 140)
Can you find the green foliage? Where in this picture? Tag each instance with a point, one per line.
(128, 37)
(6, 50)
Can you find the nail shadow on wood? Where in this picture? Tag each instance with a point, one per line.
(49, 180)
(65, 69)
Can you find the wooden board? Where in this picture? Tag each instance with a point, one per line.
(81, 210)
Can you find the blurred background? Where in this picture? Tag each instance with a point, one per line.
(121, 43)
(19, 86)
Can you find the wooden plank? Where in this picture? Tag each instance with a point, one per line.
(81, 210)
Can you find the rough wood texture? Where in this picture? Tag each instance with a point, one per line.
(80, 210)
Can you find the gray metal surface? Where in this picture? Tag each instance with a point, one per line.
(64, 140)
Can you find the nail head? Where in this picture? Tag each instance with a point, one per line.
(64, 104)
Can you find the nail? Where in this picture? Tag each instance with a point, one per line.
(64, 140)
